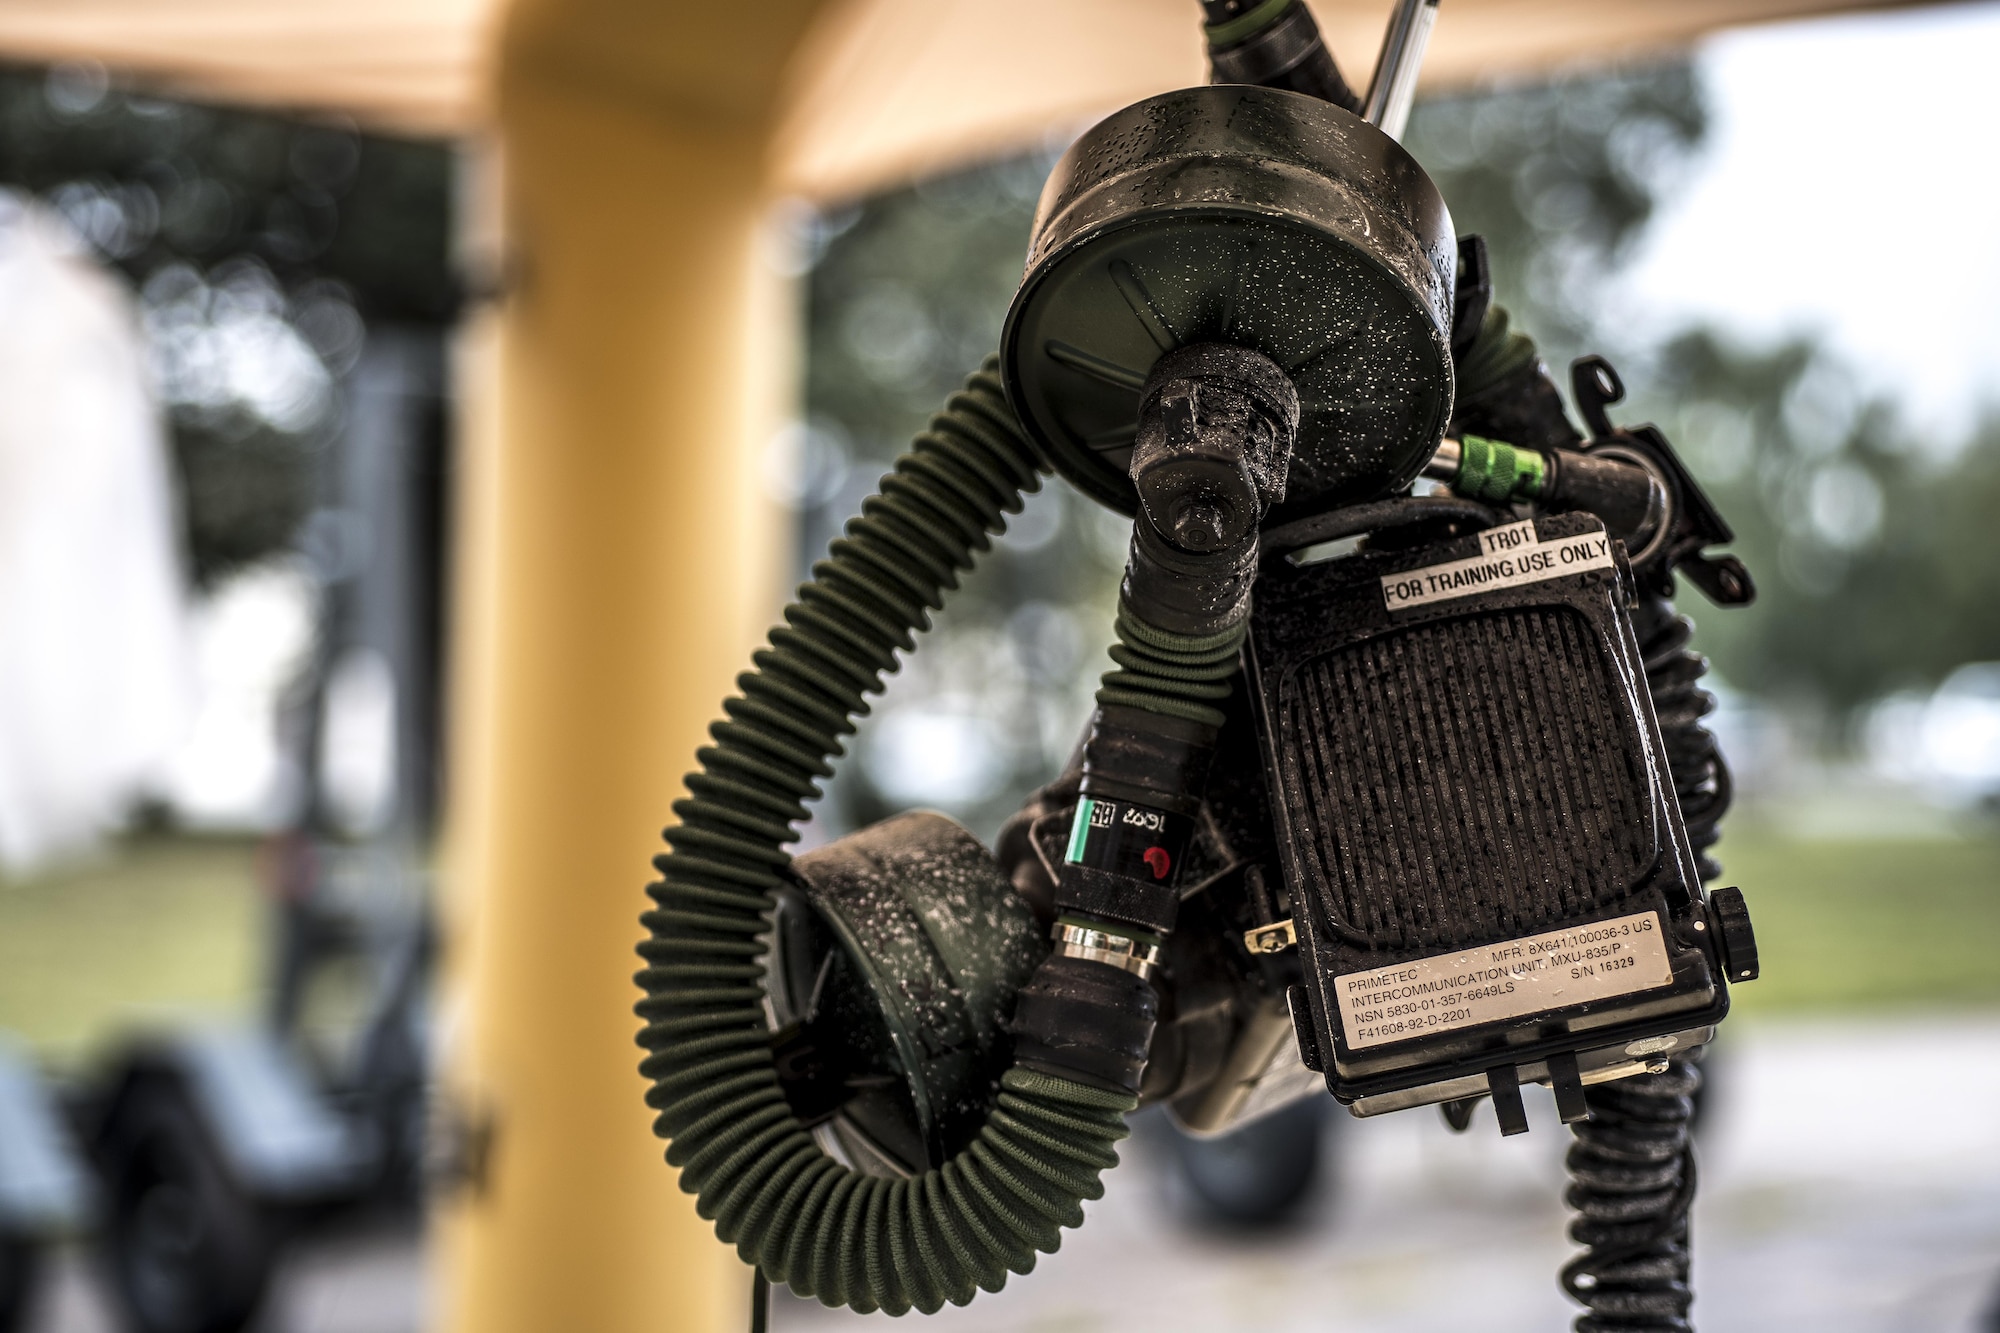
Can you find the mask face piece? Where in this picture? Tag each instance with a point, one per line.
(895, 957)
(1250, 216)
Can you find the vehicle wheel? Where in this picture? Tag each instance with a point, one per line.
(1259, 1175)
(19, 1260)
(189, 1252)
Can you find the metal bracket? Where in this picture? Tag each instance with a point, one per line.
(1693, 522)
(1504, 1082)
(1274, 938)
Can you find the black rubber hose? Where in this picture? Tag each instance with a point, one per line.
(799, 1216)
(1632, 1166)
(1632, 1182)
(1673, 673)
(1375, 516)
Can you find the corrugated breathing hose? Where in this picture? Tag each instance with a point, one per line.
(1673, 672)
(799, 1216)
(1174, 675)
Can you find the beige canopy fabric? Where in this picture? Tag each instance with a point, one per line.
(882, 89)
(891, 89)
(408, 65)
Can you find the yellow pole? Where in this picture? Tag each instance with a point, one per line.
(616, 566)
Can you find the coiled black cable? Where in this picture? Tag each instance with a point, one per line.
(1632, 1182)
(798, 1215)
(1631, 1169)
(1701, 778)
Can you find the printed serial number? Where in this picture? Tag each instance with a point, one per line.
(1416, 1023)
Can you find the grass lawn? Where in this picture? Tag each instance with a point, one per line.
(177, 924)
(1868, 924)
(153, 923)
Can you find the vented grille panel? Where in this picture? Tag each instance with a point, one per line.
(1466, 781)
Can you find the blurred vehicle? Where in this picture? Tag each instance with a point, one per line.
(45, 1192)
(213, 1146)
(219, 1145)
(1261, 1174)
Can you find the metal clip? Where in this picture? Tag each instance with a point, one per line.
(1274, 938)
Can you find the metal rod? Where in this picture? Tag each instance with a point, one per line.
(1394, 87)
(1446, 462)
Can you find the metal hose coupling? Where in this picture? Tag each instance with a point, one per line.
(1216, 428)
(1214, 444)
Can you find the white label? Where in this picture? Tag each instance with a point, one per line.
(1497, 982)
(1509, 557)
(1508, 537)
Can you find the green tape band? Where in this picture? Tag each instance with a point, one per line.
(1496, 473)
(1079, 829)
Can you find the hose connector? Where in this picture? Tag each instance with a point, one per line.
(1626, 496)
(1488, 470)
(1273, 44)
(1216, 428)
(1214, 445)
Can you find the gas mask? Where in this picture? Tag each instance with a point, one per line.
(1399, 798)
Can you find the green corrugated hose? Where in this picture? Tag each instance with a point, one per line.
(1176, 675)
(799, 1216)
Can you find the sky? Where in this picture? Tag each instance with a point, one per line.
(1850, 186)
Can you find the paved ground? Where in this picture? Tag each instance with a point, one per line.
(362, 1282)
(1851, 1184)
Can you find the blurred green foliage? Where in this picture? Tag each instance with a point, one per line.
(1867, 923)
(907, 291)
(152, 182)
(1875, 551)
(1561, 179)
(1872, 549)
(238, 228)
(156, 924)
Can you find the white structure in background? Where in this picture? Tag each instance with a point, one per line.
(96, 675)
(1947, 743)
(357, 756)
(1765, 240)
(252, 637)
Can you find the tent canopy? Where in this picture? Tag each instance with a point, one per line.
(879, 90)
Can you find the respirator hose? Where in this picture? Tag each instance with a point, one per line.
(801, 1217)
(1175, 675)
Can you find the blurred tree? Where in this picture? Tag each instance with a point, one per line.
(907, 292)
(1561, 179)
(262, 247)
(1874, 550)
(1868, 546)
(906, 295)
(1868, 551)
